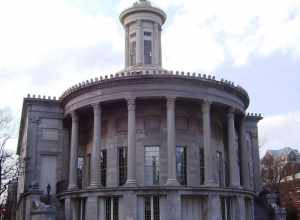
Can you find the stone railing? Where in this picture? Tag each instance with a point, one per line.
(150, 72)
(42, 98)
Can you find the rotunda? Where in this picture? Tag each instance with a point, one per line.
(147, 143)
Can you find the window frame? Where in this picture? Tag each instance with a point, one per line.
(155, 173)
(181, 174)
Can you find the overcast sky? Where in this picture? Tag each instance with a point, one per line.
(48, 45)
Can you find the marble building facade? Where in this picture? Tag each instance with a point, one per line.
(142, 144)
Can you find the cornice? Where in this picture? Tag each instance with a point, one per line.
(139, 76)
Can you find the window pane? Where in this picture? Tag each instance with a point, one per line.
(148, 51)
(147, 208)
(103, 167)
(122, 165)
(80, 163)
(181, 165)
(132, 53)
(202, 175)
(115, 208)
(108, 208)
(156, 207)
(151, 166)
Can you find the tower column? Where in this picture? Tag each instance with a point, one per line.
(73, 152)
(126, 46)
(131, 177)
(233, 151)
(96, 146)
(172, 179)
(139, 43)
(156, 51)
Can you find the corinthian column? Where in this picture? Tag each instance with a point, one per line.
(96, 146)
(131, 177)
(233, 151)
(139, 43)
(126, 46)
(172, 180)
(209, 150)
(73, 152)
(244, 155)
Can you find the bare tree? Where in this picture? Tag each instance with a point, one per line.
(8, 160)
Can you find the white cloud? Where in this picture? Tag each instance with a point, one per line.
(205, 34)
(47, 46)
(280, 131)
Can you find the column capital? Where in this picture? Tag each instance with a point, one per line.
(131, 104)
(96, 108)
(139, 23)
(230, 112)
(206, 105)
(171, 101)
(74, 116)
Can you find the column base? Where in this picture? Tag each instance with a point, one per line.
(130, 183)
(93, 186)
(211, 185)
(236, 186)
(72, 187)
(172, 182)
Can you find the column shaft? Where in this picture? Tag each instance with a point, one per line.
(241, 208)
(209, 150)
(131, 177)
(156, 55)
(91, 208)
(172, 179)
(127, 46)
(139, 43)
(233, 153)
(73, 152)
(214, 207)
(244, 155)
(96, 146)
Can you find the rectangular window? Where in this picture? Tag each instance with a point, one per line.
(151, 173)
(81, 209)
(122, 165)
(151, 208)
(148, 51)
(220, 168)
(132, 52)
(225, 208)
(80, 163)
(202, 166)
(181, 168)
(148, 34)
(111, 208)
(88, 169)
(103, 165)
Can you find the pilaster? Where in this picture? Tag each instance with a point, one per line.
(214, 207)
(91, 208)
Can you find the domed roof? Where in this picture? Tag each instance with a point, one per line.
(143, 6)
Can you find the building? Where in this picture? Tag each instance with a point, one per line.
(283, 166)
(142, 144)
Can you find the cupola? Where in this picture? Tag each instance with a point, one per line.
(143, 24)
